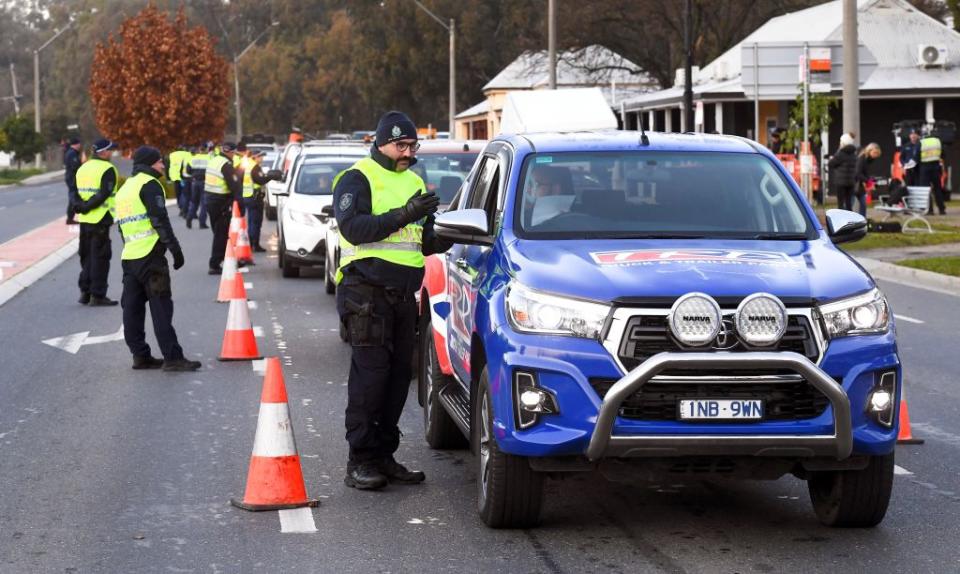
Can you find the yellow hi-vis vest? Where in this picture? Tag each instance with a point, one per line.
(177, 159)
(247, 164)
(89, 177)
(930, 149)
(213, 180)
(388, 190)
(138, 233)
(198, 162)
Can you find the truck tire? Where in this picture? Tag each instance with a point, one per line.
(509, 492)
(438, 427)
(853, 498)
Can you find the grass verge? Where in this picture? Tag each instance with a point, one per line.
(8, 176)
(944, 265)
(944, 234)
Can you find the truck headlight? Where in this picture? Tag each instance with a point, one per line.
(303, 218)
(695, 319)
(761, 320)
(530, 311)
(861, 315)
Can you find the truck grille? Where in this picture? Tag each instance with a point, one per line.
(783, 401)
(647, 335)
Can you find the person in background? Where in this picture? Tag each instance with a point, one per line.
(865, 181)
(910, 158)
(222, 187)
(196, 172)
(253, 181)
(775, 142)
(931, 153)
(71, 164)
(843, 169)
(96, 186)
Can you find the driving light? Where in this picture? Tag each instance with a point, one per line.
(861, 315)
(881, 402)
(530, 400)
(761, 320)
(695, 319)
(531, 311)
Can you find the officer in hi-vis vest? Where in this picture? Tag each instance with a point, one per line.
(96, 186)
(385, 221)
(221, 188)
(931, 151)
(254, 179)
(147, 236)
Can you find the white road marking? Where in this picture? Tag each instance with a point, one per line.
(2, 207)
(72, 343)
(243, 270)
(252, 305)
(908, 319)
(297, 520)
(247, 286)
(257, 331)
(259, 366)
(5, 264)
(28, 201)
(899, 470)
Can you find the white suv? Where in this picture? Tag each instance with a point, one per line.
(301, 226)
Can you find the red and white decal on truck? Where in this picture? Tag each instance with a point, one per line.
(653, 256)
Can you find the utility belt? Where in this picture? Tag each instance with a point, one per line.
(366, 327)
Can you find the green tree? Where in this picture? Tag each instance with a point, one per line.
(20, 139)
(818, 119)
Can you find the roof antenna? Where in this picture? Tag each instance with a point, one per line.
(644, 140)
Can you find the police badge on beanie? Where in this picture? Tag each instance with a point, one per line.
(395, 126)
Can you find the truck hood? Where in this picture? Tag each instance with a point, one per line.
(608, 270)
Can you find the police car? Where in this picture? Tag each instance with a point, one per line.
(658, 304)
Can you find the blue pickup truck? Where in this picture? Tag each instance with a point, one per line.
(658, 304)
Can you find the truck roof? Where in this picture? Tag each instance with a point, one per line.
(619, 140)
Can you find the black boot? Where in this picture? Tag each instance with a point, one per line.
(259, 249)
(84, 299)
(364, 476)
(180, 365)
(148, 362)
(189, 223)
(102, 301)
(398, 474)
(204, 225)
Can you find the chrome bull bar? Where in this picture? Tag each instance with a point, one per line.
(603, 443)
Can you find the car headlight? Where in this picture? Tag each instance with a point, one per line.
(303, 218)
(861, 315)
(695, 319)
(530, 311)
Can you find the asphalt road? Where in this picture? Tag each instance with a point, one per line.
(110, 470)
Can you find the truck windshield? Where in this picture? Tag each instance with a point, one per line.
(652, 194)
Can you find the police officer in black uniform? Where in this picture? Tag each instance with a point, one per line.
(146, 277)
(375, 298)
(71, 163)
(96, 183)
(222, 188)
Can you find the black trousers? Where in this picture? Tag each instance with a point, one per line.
(219, 210)
(845, 196)
(930, 176)
(147, 281)
(381, 327)
(95, 253)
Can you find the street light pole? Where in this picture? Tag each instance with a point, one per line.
(236, 77)
(552, 43)
(36, 83)
(452, 29)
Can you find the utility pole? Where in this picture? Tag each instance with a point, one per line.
(36, 83)
(688, 66)
(552, 41)
(236, 75)
(452, 29)
(851, 70)
(16, 94)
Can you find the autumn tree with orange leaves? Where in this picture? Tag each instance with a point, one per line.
(159, 82)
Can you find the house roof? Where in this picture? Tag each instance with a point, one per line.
(476, 110)
(891, 30)
(590, 66)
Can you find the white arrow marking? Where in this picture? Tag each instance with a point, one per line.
(5, 264)
(72, 343)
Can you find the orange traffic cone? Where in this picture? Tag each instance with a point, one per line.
(239, 342)
(905, 435)
(244, 252)
(275, 479)
(235, 222)
(231, 282)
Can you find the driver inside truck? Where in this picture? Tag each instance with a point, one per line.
(548, 193)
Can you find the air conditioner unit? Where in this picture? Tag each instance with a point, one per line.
(680, 76)
(932, 55)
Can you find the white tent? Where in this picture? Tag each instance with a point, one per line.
(556, 110)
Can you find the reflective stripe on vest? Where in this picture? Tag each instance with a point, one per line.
(930, 149)
(177, 159)
(247, 164)
(213, 180)
(137, 231)
(199, 162)
(89, 177)
(388, 190)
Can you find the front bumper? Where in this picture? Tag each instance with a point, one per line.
(304, 244)
(604, 443)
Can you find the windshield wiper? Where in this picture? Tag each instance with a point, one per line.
(781, 236)
(650, 236)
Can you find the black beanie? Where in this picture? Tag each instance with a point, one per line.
(395, 126)
(146, 155)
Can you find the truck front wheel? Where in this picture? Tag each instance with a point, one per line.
(853, 498)
(510, 493)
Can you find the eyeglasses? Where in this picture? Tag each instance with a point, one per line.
(404, 146)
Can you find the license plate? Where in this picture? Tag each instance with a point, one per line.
(711, 409)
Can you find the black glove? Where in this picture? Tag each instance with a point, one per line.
(177, 258)
(275, 175)
(418, 207)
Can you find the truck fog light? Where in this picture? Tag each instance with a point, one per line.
(761, 320)
(881, 402)
(694, 319)
(530, 400)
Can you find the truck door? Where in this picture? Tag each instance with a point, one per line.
(465, 265)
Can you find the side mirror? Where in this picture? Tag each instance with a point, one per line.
(845, 226)
(467, 226)
(275, 174)
(327, 210)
